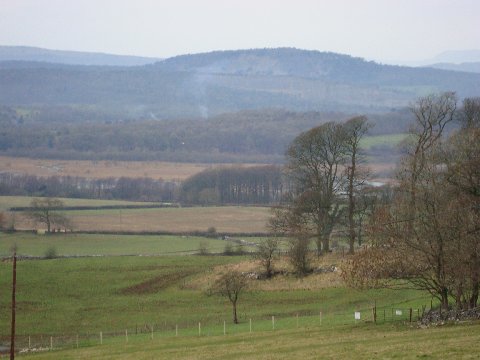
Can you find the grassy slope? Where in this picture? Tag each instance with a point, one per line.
(69, 296)
(347, 342)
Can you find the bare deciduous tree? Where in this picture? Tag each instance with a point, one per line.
(231, 285)
(314, 161)
(299, 255)
(266, 254)
(356, 175)
(429, 235)
(46, 211)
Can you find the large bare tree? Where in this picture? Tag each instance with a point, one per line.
(47, 211)
(429, 235)
(356, 173)
(314, 163)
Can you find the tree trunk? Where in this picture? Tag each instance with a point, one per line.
(235, 319)
(326, 244)
(475, 277)
(444, 299)
(351, 207)
(47, 220)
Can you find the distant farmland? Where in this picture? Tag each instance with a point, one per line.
(104, 169)
(229, 219)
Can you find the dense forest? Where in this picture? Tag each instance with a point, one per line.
(246, 136)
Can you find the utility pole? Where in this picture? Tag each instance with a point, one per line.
(14, 284)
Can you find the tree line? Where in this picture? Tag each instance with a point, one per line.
(428, 236)
(235, 185)
(123, 188)
(423, 232)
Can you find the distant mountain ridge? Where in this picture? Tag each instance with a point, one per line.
(473, 67)
(34, 54)
(227, 81)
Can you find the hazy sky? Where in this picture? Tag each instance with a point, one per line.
(373, 29)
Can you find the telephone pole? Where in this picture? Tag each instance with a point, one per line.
(14, 284)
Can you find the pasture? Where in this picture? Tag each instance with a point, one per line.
(342, 342)
(106, 245)
(225, 219)
(168, 171)
(63, 298)
(391, 140)
(60, 297)
(7, 202)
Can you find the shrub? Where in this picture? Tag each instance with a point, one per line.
(51, 253)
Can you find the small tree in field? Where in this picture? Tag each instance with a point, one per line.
(46, 211)
(231, 285)
(266, 253)
(299, 255)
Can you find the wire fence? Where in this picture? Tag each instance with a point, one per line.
(247, 325)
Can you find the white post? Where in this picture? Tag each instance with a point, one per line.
(126, 335)
(250, 324)
(101, 338)
(224, 327)
(199, 329)
(273, 322)
(152, 332)
(29, 342)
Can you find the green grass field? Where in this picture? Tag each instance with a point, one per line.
(98, 244)
(69, 296)
(62, 298)
(7, 202)
(342, 342)
(390, 140)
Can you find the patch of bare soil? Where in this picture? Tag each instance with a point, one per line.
(156, 284)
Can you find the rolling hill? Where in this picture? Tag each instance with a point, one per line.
(34, 54)
(227, 81)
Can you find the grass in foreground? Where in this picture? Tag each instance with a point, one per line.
(343, 342)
